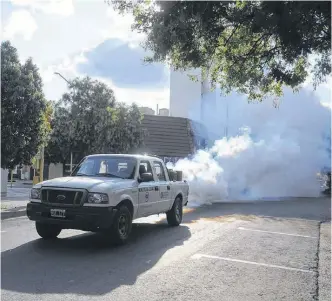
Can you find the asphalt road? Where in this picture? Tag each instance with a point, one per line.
(261, 251)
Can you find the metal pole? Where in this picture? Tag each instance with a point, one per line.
(226, 118)
(41, 167)
(71, 153)
(57, 73)
(71, 162)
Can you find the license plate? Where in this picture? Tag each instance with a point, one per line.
(58, 213)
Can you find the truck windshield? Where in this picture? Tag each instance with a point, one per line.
(106, 166)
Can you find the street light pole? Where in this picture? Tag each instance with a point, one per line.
(57, 73)
(71, 153)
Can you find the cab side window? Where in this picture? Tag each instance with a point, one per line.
(144, 167)
(159, 169)
(103, 167)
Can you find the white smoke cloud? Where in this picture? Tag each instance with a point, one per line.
(269, 152)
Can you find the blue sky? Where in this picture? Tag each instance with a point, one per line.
(78, 38)
(123, 64)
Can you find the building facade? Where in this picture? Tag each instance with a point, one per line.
(195, 100)
(147, 111)
(164, 112)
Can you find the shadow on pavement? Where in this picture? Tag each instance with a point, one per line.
(86, 264)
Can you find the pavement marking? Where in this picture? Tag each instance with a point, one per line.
(280, 233)
(199, 256)
(3, 231)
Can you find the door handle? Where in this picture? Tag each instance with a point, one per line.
(168, 187)
(156, 188)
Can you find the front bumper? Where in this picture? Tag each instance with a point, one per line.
(80, 218)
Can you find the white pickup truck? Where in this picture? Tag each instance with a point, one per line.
(105, 193)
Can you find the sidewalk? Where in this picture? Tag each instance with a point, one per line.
(20, 184)
(324, 269)
(14, 203)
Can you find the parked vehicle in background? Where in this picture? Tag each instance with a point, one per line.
(105, 193)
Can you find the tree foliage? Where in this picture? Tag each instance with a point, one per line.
(23, 107)
(253, 47)
(88, 120)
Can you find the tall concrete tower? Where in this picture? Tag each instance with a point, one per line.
(188, 98)
(185, 94)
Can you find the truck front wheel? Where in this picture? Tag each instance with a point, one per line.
(121, 226)
(174, 216)
(47, 231)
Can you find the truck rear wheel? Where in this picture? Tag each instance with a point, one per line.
(47, 231)
(121, 227)
(174, 216)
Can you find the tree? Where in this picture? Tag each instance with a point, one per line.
(254, 47)
(22, 109)
(88, 120)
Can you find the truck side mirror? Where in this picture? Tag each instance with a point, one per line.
(146, 177)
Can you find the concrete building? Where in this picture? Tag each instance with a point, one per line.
(4, 180)
(147, 111)
(55, 171)
(164, 112)
(194, 100)
(185, 95)
(171, 138)
(188, 98)
(178, 132)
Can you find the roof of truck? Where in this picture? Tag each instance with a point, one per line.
(138, 156)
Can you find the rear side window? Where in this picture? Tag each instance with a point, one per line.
(159, 169)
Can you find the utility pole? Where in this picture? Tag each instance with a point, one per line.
(71, 153)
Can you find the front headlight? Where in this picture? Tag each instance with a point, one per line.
(35, 193)
(97, 198)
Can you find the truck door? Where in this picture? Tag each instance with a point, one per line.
(164, 187)
(148, 192)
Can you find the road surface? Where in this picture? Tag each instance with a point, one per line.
(261, 251)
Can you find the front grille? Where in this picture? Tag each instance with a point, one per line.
(61, 197)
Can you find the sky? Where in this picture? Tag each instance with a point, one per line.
(87, 37)
(84, 37)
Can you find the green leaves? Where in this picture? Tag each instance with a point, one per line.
(248, 46)
(88, 120)
(23, 109)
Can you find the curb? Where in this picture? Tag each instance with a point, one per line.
(324, 260)
(5, 214)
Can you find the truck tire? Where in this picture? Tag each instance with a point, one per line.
(174, 216)
(47, 231)
(121, 227)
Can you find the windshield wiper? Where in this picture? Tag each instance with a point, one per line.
(107, 174)
(81, 174)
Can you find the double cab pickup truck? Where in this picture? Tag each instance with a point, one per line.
(105, 193)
